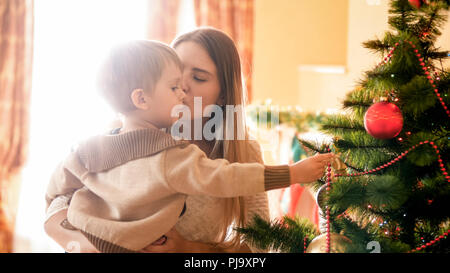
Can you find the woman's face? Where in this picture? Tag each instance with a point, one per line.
(199, 76)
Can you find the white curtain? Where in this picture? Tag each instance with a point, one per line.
(70, 38)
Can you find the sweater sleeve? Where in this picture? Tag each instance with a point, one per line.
(58, 204)
(64, 181)
(188, 170)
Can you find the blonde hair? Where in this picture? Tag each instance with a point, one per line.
(224, 54)
(136, 64)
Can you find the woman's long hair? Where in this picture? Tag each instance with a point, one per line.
(224, 54)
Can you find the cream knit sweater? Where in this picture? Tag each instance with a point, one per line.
(129, 189)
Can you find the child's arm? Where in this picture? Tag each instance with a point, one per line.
(65, 179)
(69, 239)
(189, 171)
(63, 183)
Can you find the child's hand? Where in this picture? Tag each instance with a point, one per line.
(309, 169)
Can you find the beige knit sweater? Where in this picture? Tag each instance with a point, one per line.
(131, 188)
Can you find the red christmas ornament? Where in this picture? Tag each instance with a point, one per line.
(383, 120)
(415, 3)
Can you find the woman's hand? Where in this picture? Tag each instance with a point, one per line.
(171, 242)
(73, 241)
(175, 243)
(309, 169)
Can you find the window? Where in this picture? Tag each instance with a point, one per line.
(70, 37)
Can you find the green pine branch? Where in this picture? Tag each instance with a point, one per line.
(403, 15)
(436, 16)
(314, 146)
(286, 235)
(416, 96)
(339, 124)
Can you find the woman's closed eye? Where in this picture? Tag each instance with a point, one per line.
(175, 88)
(199, 79)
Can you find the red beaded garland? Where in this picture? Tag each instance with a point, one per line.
(424, 68)
(304, 244)
(432, 242)
(444, 171)
(328, 235)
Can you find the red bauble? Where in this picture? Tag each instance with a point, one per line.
(416, 3)
(383, 120)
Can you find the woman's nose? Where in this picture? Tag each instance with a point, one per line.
(184, 83)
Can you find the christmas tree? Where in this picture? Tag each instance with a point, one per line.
(389, 188)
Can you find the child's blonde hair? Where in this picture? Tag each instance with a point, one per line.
(136, 64)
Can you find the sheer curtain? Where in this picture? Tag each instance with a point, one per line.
(70, 38)
(235, 17)
(163, 19)
(168, 18)
(16, 48)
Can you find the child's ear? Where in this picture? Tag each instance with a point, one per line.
(140, 99)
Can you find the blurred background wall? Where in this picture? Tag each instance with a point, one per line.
(309, 53)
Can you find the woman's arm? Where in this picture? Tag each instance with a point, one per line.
(71, 240)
